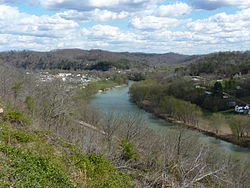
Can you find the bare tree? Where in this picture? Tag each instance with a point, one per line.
(54, 104)
(110, 124)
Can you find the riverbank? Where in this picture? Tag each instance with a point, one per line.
(100, 86)
(225, 137)
(113, 87)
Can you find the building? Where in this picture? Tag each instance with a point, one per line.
(242, 109)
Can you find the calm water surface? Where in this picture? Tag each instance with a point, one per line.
(117, 100)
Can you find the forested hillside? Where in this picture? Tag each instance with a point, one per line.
(222, 63)
(76, 59)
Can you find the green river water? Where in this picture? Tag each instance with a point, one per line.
(117, 100)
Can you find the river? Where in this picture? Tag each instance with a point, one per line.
(117, 100)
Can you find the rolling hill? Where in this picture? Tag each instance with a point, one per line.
(76, 59)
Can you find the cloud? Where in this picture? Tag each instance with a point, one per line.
(224, 29)
(188, 42)
(95, 15)
(220, 32)
(19, 30)
(105, 15)
(88, 5)
(112, 38)
(13, 2)
(177, 9)
(109, 34)
(36, 32)
(153, 23)
(9, 1)
(215, 4)
(12, 21)
(153, 29)
(222, 22)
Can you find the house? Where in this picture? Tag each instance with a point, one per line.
(225, 96)
(61, 75)
(68, 74)
(237, 75)
(208, 92)
(242, 109)
(195, 79)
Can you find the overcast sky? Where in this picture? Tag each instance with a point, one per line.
(159, 26)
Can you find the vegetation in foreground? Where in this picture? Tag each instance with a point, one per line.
(36, 158)
(89, 140)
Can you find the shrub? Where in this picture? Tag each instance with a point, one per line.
(100, 173)
(128, 150)
(22, 136)
(15, 116)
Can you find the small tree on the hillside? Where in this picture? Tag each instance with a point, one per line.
(30, 104)
(16, 89)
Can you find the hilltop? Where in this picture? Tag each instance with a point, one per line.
(76, 59)
(221, 63)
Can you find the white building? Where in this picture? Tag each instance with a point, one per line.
(242, 109)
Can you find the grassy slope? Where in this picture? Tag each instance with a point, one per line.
(40, 158)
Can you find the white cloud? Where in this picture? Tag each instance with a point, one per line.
(95, 15)
(20, 30)
(215, 4)
(177, 9)
(232, 30)
(112, 38)
(36, 32)
(103, 15)
(109, 34)
(153, 28)
(223, 22)
(153, 23)
(87, 5)
(12, 21)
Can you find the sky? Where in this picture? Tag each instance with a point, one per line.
(150, 26)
